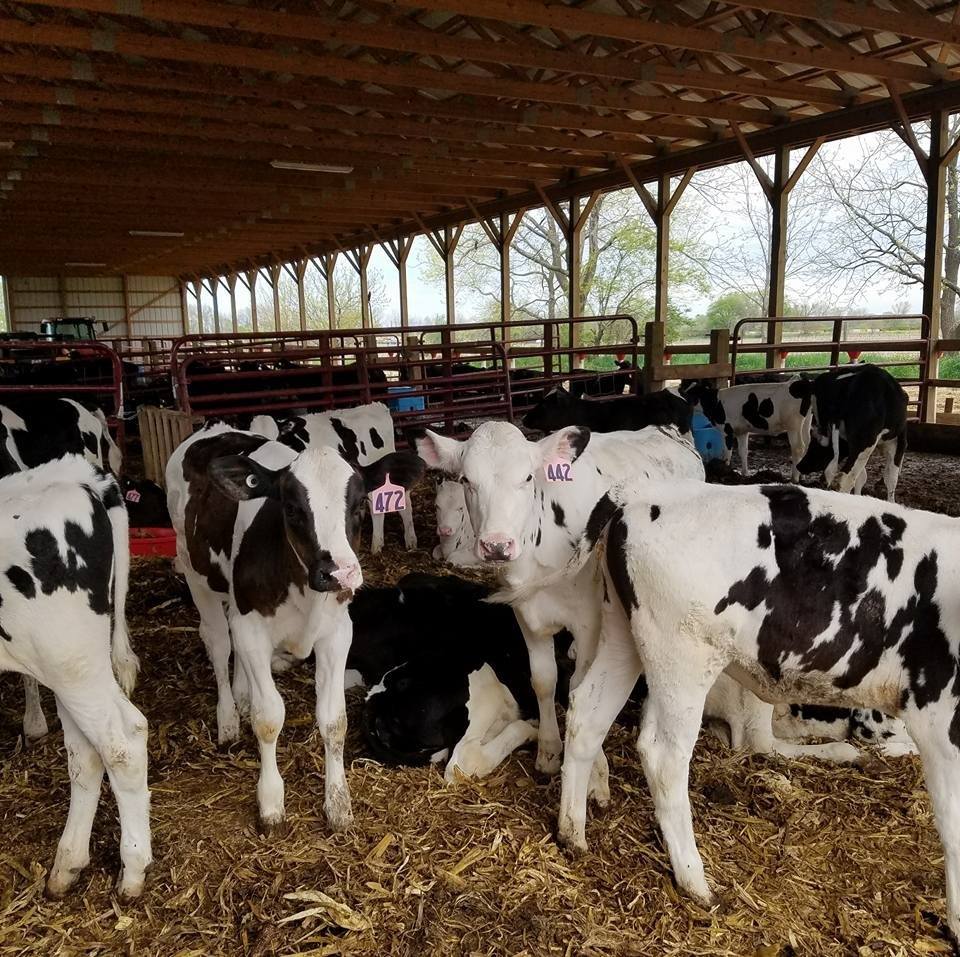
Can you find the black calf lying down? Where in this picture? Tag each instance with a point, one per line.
(559, 408)
(464, 693)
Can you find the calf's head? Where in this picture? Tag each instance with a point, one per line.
(318, 499)
(501, 473)
(551, 411)
(451, 509)
(409, 717)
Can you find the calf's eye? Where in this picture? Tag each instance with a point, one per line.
(530, 477)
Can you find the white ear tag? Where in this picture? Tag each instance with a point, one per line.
(558, 470)
(388, 498)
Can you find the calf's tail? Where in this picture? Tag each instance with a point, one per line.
(125, 662)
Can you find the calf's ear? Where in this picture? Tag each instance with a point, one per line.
(566, 444)
(240, 478)
(404, 468)
(437, 451)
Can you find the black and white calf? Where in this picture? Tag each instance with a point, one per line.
(797, 593)
(528, 525)
(466, 701)
(797, 722)
(362, 435)
(40, 430)
(63, 538)
(264, 537)
(856, 410)
(766, 408)
(558, 408)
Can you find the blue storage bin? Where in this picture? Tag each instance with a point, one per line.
(404, 403)
(707, 438)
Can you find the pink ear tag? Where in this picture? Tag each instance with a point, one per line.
(388, 498)
(558, 470)
(132, 496)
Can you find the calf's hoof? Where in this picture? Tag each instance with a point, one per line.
(228, 731)
(571, 837)
(61, 880)
(130, 885)
(548, 761)
(339, 811)
(272, 823)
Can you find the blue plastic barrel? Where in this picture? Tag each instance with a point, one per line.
(404, 403)
(707, 438)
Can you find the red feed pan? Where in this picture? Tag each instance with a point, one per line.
(153, 541)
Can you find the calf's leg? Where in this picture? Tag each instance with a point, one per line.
(941, 768)
(797, 448)
(893, 451)
(409, 532)
(215, 634)
(593, 707)
(254, 653)
(743, 447)
(34, 720)
(679, 674)
(330, 653)
(376, 542)
(86, 774)
(118, 732)
(543, 676)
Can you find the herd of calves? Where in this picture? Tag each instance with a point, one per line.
(783, 612)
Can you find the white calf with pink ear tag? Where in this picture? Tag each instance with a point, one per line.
(388, 498)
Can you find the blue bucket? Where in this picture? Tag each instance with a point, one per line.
(404, 403)
(707, 438)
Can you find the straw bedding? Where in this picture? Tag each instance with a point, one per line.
(808, 858)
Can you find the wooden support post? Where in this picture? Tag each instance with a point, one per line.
(330, 263)
(778, 198)
(451, 239)
(300, 268)
(365, 318)
(398, 251)
(252, 277)
(777, 191)
(720, 353)
(62, 294)
(232, 289)
(505, 236)
(184, 309)
(125, 289)
(213, 285)
(659, 210)
(197, 291)
(275, 270)
(653, 343)
(935, 173)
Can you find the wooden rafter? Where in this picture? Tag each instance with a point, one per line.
(167, 115)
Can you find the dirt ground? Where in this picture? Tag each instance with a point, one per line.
(807, 858)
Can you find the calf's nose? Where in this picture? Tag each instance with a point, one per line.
(349, 576)
(445, 531)
(497, 549)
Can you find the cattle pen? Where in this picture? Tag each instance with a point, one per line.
(462, 209)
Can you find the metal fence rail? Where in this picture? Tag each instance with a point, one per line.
(88, 371)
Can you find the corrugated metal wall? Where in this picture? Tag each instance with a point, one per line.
(153, 302)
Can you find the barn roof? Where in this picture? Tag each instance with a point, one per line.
(120, 117)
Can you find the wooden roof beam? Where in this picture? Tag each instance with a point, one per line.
(211, 53)
(151, 104)
(580, 20)
(866, 16)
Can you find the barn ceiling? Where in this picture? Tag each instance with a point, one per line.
(171, 116)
